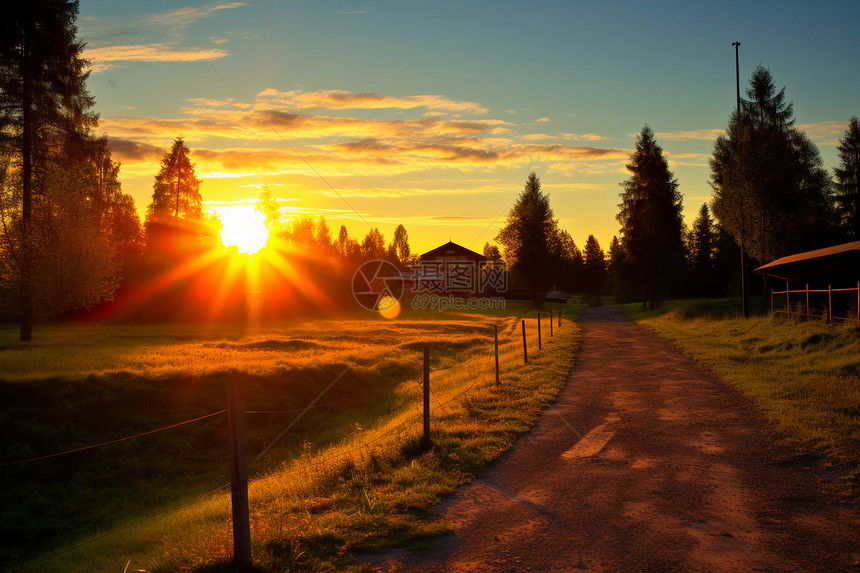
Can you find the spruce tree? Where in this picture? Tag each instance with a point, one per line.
(528, 238)
(43, 99)
(770, 190)
(176, 191)
(651, 227)
(848, 180)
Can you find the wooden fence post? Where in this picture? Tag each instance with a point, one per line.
(787, 299)
(525, 350)
(559, 316)
(425, 440)
(807, 303)
(496, 343)
(829, 303)
(539, 342)
(239, 477)
(550, 322)
(858, 302)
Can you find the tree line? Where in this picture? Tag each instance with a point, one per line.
(70, 238)
(771, 194)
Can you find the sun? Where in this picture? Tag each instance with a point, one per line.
(244, 227)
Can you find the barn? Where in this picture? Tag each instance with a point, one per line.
(824, 283)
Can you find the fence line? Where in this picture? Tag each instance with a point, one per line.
(94, 446)
(409, 420)
(808, 312)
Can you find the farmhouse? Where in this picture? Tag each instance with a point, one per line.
(454, 269)
(830, 281)
(451, 251)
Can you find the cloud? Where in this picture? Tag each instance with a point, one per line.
(128, 150)
(542, 120)
(152, 53)
(584, 137)
(696, 134)
(269, 135)
(825, 132)
(341, 99)
(181, 18)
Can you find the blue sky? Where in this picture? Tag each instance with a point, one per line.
(433, 113)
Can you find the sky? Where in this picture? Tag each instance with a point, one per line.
(433, 113)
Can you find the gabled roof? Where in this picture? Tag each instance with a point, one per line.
(452, 249)
(839, 261)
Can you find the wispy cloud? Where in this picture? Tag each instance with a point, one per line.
(542, 120)
(181, 18)
(273, 135)
(341, 99)
(106, 58)
(696, 134)
(584, 137)
(825, 132)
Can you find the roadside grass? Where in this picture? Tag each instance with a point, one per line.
(805, 376)
(349, 478)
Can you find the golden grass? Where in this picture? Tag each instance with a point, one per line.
(365, 490)
(805, 376)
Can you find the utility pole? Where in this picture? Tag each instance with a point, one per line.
(744, 304)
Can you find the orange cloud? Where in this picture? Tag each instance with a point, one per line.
(825, 132)
(148, 53)
(340, 99)
(696, 134)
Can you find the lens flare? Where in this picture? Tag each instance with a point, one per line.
(244, 227)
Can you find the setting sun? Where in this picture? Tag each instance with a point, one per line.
(244, 227)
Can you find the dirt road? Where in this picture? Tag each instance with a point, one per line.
(645, 463)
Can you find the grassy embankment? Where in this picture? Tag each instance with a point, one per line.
(349, 477)
(805, 376)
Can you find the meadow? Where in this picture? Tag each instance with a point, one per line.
(348, 477)
(805, 376)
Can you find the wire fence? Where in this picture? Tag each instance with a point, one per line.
(300, 465)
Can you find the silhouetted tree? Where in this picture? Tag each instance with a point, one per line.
(322, 235)
(770, 190)
(402, 252)
(848, 180)
(651, 227)
(613, 268)
(702, 247)
(373, 245)
(176, 191)
(43, 97)
(595, 266)
(528, 237)
(491, 252)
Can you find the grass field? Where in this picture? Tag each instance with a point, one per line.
(804, 375)
(348, 477)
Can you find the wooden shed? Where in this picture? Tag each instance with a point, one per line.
(830, 281)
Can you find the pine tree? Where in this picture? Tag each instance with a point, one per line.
(702, 246)
(848, 180)
(770, 190)
(595, 266)
(401, 245)
(528, 237)
(176, 191)
(43, 98)
(650, 218)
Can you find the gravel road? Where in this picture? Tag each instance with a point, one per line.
(645, 463)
